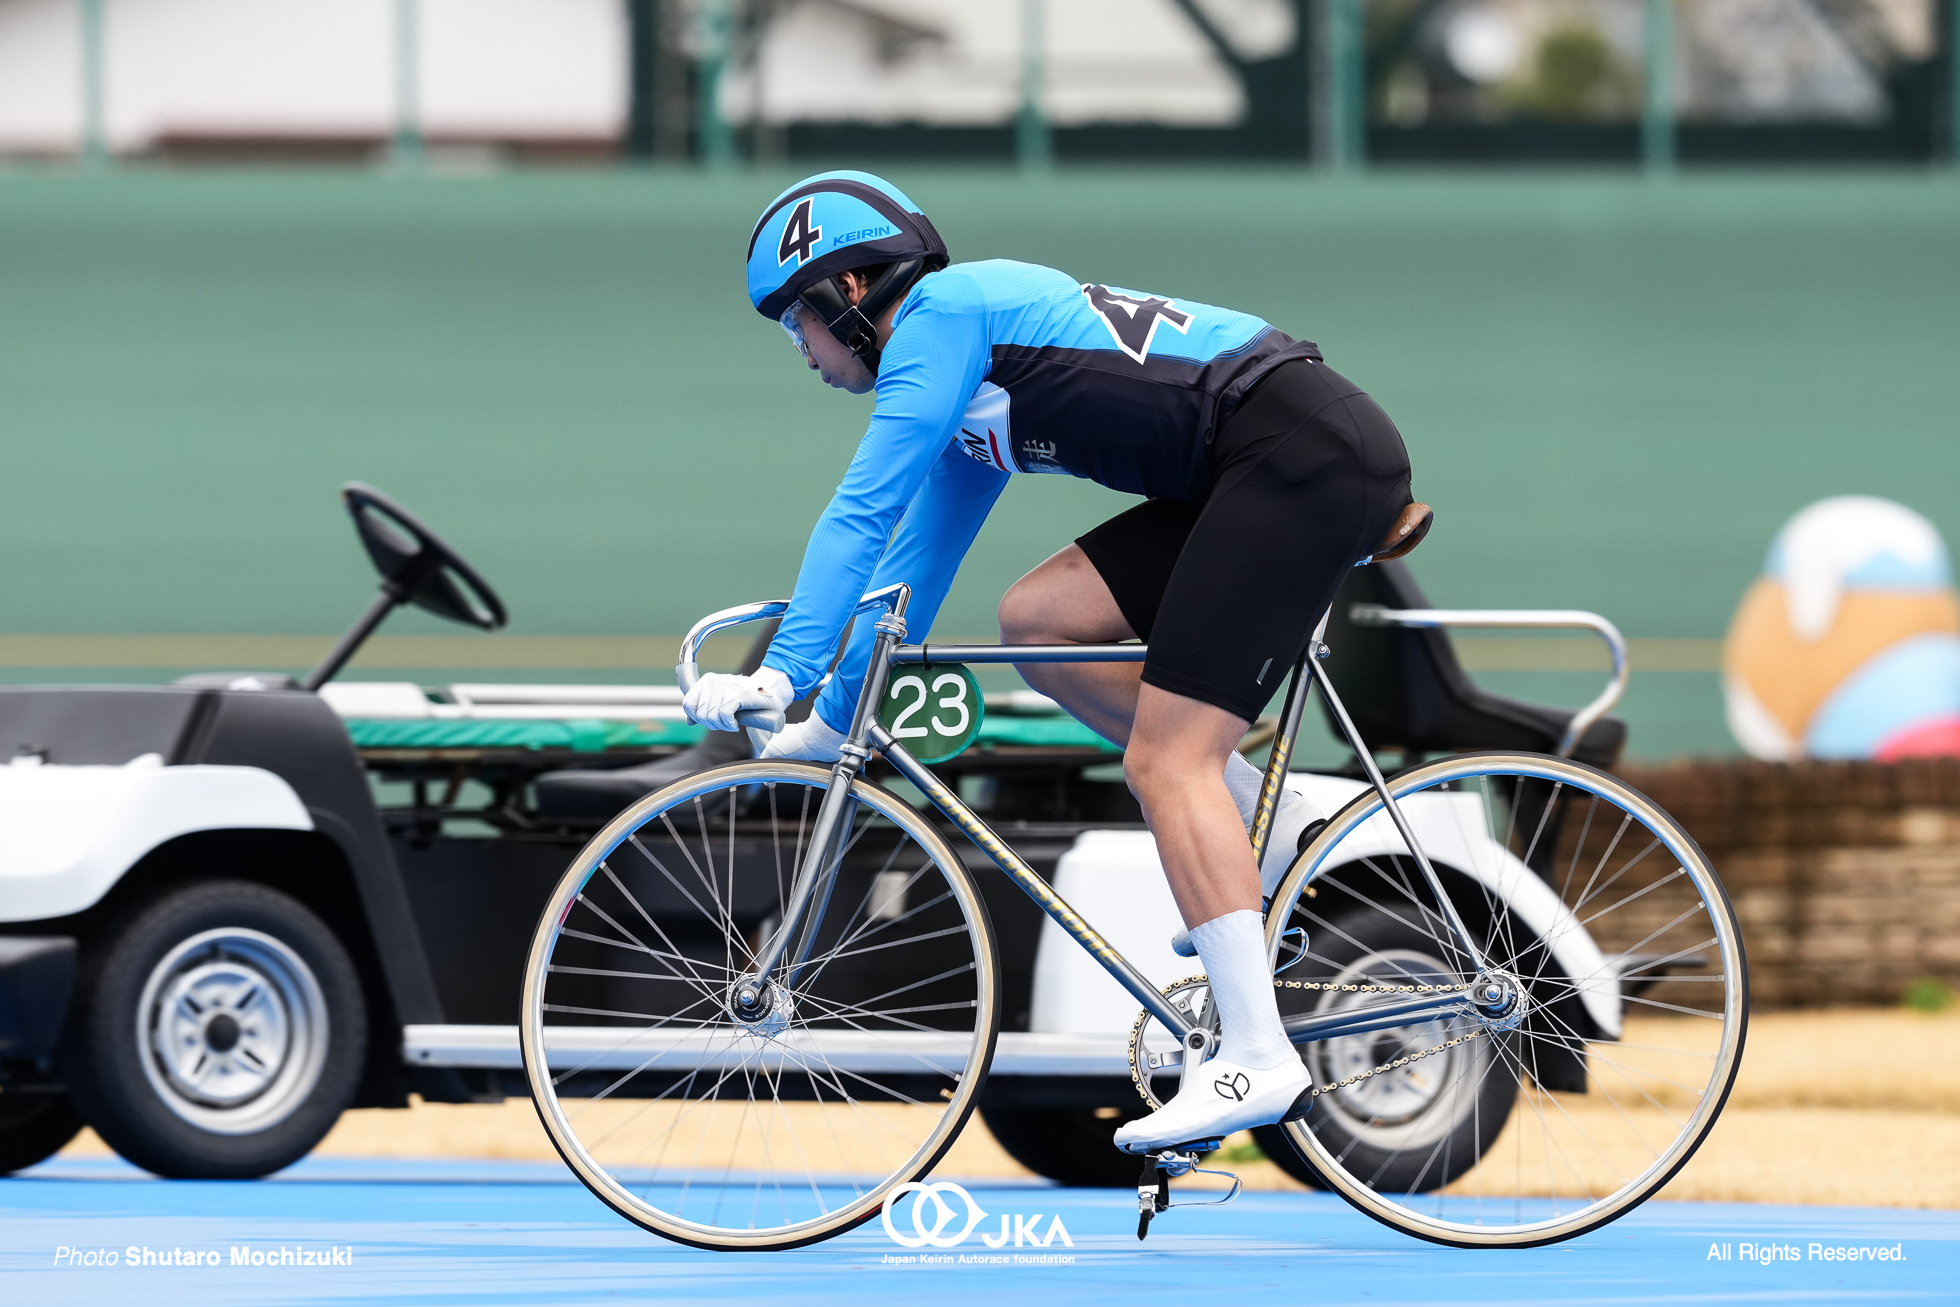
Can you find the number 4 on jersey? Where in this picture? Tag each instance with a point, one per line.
(799, 237)
(1133, 319)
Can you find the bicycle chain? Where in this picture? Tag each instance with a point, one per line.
(1143, 1019)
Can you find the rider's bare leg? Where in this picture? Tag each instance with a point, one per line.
(1178, 750)
(1176, 767)
(1066, 601)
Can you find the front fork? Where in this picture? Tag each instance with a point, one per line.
(754, 996)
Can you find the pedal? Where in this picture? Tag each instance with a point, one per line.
(1153, 1194)
(1182, 1159)
(1159, 1168)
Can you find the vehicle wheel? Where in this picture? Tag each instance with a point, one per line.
(1071, 1146)
(854, 1075)
(1413, 1129)
(34, 1127)
(217, 1032)
(1579, 988)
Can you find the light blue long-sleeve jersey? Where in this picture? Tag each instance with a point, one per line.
(1002, 367)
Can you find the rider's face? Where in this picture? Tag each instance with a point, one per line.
(825, 354)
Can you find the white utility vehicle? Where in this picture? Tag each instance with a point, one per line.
(234, 906)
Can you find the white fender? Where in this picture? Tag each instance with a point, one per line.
(67, 834)
(1114, 879)
(1450, 827)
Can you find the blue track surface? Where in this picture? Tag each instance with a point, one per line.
(466, 1232)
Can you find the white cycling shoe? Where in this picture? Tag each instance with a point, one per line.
(1222, 1098)
(1292, 824)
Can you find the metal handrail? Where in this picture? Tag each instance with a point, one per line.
(1534, 618)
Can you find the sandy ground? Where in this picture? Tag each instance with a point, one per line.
(1844, 1107)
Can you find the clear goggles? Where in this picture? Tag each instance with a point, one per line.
(795, 328)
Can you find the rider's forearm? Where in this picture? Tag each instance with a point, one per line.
(929, 371)
(938, 528)
(837, 567)
(844, 550)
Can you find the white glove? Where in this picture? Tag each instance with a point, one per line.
(717, 697)
(810, 738)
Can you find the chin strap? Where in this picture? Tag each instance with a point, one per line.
(852, 324)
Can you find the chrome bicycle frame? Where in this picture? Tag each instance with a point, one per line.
(782, 957)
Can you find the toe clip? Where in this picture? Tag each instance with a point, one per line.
(1159, 1167)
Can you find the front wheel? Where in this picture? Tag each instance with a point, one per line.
(217, 1032)
(794, 1123)
(1610, 968)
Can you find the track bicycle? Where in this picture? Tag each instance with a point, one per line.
(766, 997)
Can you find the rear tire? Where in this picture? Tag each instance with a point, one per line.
(217, 1032)
(34, 1127)
(1072, 1146)
(1616, 998)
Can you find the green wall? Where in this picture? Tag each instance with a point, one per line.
(1613, 390)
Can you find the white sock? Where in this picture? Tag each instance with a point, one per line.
(1244, 780)
(1290, 815)
(1233, 949)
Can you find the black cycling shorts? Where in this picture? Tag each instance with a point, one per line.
(1306, 479)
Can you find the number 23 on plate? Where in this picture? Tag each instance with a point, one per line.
(933, 710)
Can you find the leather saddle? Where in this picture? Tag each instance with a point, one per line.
(1406, 534)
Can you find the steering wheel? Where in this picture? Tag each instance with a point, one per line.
(416, 566)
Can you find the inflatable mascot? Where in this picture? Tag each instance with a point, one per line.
(1848, 644)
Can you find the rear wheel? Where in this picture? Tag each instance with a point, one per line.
(1073, 1146)
(852, 1079)
(34, 1126)
(1616, 996)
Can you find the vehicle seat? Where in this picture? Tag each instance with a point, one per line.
(582, 795)
(588, 795)
(1405, 689)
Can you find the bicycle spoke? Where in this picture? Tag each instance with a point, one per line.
(1621, 1034)
(856, 1075)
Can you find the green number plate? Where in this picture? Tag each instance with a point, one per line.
(933, 710)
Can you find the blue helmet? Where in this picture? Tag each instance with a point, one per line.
(831, 223)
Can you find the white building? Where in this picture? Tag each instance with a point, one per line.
(177, 73)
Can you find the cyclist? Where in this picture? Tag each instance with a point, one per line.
(1266, 475)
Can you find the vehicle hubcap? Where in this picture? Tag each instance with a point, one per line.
(234, 1027)
(1396, 1107)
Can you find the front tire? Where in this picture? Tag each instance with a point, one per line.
(217, 1032)
(851, 1082)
